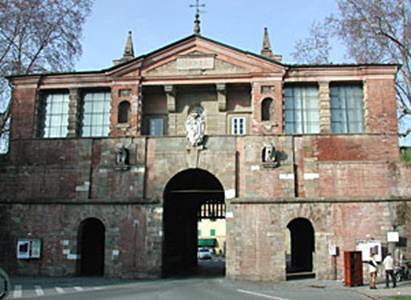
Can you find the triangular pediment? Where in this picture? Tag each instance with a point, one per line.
(198, 56)
(196, 63)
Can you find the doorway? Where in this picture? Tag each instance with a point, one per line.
(91, 247)
(190, 196)
(302, 246)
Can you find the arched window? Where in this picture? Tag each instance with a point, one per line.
(123, 112)
(266, 108)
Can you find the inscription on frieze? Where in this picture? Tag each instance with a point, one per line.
(195, 62)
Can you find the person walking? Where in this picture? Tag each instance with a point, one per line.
(373, 269)
(388, 264)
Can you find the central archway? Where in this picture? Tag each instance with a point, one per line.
(189, 196)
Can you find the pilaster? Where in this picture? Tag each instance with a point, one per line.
(366, 108)
(221, 96)
(325, 107)
(171, 97)
(170, 91)
(74, 113)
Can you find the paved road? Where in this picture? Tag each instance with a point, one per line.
(181, 289)
(208, 283)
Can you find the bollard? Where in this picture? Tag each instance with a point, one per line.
(4, 284)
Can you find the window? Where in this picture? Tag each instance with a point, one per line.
(198, 232)
(267, 89)
(238, 125)
(266, 108)
(301, 109)
(123, 112)
(347, 114)
(156, 126)
(54, 115)
(124, 93)
(96, 117)
(212, 232)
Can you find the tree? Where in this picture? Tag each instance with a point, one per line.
(38, 36)
(373, 31)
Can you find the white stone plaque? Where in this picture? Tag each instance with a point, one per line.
(288, 176)
(73, 256)
(255, 168)
(195, 63)
(393, 236)
(311, 176)
(230, 194)
(332, 249)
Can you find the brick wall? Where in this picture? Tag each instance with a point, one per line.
(130, 229)
(23, 112)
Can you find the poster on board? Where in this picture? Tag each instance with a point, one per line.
(368, 246)
(28, 248)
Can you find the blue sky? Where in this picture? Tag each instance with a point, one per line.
(156, 23)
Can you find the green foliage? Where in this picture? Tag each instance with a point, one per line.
(400, 298)
(406, 156)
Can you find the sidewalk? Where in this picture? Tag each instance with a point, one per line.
(403, 289)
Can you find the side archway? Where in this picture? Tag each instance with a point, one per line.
(91, 247)
(302, 246)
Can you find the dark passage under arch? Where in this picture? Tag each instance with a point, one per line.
(91, 247)
(184, 196)
(302, 246)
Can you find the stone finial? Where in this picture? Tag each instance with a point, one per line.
(266, 50)
(197, 28)
(128, 53)
(129, 49)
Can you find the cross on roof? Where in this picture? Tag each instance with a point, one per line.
(197, 6)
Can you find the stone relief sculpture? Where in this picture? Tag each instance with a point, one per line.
(269, 156)
(122, 157)
(195, 127)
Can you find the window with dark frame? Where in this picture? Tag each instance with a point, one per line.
(301, 109)
(347, 108)
(96, 113)
(54, 115)
(238, 125)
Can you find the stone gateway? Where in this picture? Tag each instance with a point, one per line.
(101, 175)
